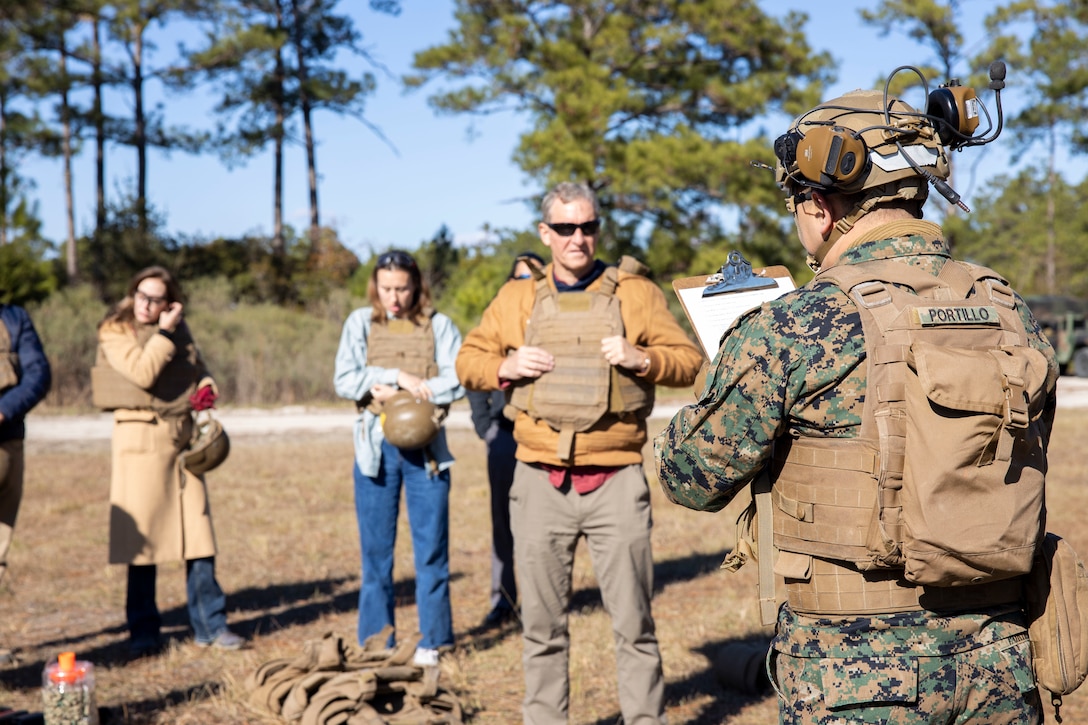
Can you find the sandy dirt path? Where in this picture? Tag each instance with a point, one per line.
(1072, 393)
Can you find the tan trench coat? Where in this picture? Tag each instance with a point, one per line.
(159, 512)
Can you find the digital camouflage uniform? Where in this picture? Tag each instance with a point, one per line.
(796, 367)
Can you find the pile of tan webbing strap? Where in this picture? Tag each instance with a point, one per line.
(334, 682)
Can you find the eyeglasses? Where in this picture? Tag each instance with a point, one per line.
(565, 229)
(148, 299)
(396, 259)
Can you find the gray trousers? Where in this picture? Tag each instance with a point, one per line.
(615, 521)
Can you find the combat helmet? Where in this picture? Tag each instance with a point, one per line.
(874, 147)
(865, 144)
(208, 448)
(408, 422)
(863, 141)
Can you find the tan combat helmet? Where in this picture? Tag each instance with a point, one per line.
(864, 143)
(209, 447)
(408, 422)
(863, 140)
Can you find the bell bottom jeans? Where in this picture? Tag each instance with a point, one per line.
(377, 505)
(206, 602)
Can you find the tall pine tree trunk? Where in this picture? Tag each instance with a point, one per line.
(99, 134)
(97, 271)
(311, 173)
(71, 258)
(307, 124)
(140, 128)
(278, 245)
(1051, 234)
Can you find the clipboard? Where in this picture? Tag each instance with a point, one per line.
(712, 315)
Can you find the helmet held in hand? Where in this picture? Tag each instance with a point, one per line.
(210, 446)
(408, 422)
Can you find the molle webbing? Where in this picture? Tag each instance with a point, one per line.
(582, 388)
(9, 360)
(824, 495)
(886, 521)
(837, 589)
(168, 395)
(941, 341)
(402, 345)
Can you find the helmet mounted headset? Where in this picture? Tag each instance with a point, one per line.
(877, 148)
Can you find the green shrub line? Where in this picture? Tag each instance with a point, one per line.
(260, 354)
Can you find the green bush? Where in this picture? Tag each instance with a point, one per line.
(262, 354)
(66, 322)
(25, 277)
(259, 354)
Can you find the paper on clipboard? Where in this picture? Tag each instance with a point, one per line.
(711, 316)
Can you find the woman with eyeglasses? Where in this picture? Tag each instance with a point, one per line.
(151, 375)
(399, 343)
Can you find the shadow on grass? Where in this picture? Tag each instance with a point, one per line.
(669, 571)
(725, 701)
(257, 610)
(482, 637)
(250, 611)
(729, 697)
(132, 711)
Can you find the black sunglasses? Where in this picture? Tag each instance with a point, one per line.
(395, 259)
(565, 229)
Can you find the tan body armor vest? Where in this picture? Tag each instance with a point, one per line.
(403, 345)
(582, 388)
(938, 503)
(9, 360)
(168, 396)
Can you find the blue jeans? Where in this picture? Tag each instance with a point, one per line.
(207, 604)
(377, 505)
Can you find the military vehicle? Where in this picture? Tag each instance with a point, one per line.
(1065, 322)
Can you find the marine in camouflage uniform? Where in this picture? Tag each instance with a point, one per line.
(796, 367)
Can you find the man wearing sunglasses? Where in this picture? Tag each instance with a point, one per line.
(579, 350)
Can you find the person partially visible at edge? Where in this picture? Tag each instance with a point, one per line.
(606, 335)
(159, 510)
(497, 431)
(25, 378)
(787, 392)
(400, 343)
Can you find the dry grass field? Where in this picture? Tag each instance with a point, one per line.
(289, 561)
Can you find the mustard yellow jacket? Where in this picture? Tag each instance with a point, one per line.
(648, 325)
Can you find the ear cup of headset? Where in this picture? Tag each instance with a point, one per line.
(954, 110)
(831, 156)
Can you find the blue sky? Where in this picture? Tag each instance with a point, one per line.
(452, 170)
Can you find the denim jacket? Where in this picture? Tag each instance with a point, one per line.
(353, 377)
